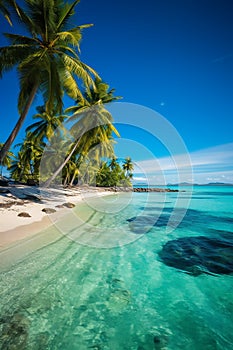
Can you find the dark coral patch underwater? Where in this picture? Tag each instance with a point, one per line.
(197, 255)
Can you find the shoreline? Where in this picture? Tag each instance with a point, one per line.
(59, 203)
(41, 208)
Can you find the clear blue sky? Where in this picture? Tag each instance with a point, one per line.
(173, 56)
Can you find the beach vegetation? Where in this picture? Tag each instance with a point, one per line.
(75, 145)
(46, 58)
(7, 160)
(111, 174)
(91, 128)
(48, 122)
(128, 167)
(25, 166)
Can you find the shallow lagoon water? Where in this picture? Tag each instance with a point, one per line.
(103, 285)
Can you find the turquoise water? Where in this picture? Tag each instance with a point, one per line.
(104, 285)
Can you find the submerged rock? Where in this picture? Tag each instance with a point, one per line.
(197, 255)
(143, 224)
(14, 331)
(119, 297)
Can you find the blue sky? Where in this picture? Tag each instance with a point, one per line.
(172, 56)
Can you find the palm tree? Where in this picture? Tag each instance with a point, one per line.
(113, 163)
(128, 166)
(47, 59)
(48, 123)
(53, 155)
(103, 176)
(30, 154)
(92, 124)
(70, 172)
(7, 160)
(18, 169)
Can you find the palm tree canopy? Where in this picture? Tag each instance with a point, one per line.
(128, 164)
(47, 60)
(113, 163)
(92, 121)
(91, 126)
(48, 57)
(48, 122)
(97, 95)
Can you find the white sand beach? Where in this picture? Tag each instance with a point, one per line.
(21, 209)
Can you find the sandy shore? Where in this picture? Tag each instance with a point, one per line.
(15, 226)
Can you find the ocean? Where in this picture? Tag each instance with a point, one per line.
(130, 271)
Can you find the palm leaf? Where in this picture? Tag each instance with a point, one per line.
(66, 12)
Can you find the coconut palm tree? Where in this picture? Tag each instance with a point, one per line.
(47, 59)
(128, 166)
(30, 154)
(92, 125)
(113, 163)
(53, 154)
(48, 123)
(92, 122)
(19, 171)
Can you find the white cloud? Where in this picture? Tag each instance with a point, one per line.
(207, 165)
(140, 178)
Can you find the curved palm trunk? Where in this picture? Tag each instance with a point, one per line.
(73, 177)
(18, 125)
(66, 180)
(59, 169)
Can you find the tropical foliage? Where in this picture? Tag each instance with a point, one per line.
(27, 162)
(7, 160)
(72, 146)
(128, 167)
(91, 130)
(112, 174)
(47, 59)
(47, 125)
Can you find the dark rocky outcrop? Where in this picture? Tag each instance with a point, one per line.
(49, 210)
(151, 189)
(68, 205)
(65, 205)
(197, 255)
(139, 189)
(24, 215)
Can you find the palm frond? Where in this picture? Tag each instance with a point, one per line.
(21, 39)
(11, 56)
(76, 67)
(73, 37)
(66, 11)
(5, 12)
